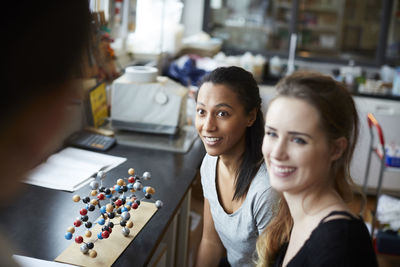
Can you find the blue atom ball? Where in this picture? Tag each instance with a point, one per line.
(68, 236)
(103, 209)
(101, 221)
(99, 236)
(117, 188)
(109, 196)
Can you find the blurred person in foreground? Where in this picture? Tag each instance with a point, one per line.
(42, 64)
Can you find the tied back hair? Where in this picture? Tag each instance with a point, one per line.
(243, 84)
(338, 118)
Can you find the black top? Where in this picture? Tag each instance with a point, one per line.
(337, 242)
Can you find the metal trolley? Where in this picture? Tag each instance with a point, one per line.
(380, 152)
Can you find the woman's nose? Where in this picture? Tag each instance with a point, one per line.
(279, 150)
(209, 123)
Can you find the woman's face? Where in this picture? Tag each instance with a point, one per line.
(295, 148)
(221, 120)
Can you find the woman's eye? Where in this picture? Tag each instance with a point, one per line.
(271, 134)
(222, 113)
(200, 111)
(300, 141)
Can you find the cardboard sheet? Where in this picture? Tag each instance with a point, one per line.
(108, 250)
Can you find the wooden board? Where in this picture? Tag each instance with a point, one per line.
(108, 250)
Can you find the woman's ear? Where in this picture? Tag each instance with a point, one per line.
(252, 117)
(339, 146)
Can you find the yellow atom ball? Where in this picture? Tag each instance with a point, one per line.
(150, 190)
(71, 229)
(129, 224)
(93, 254)
(131, 171)
(120, 182)
(109, 208)
(93, 193)
(88, 233)
(94, 201)
(76, 198)
(128, 207)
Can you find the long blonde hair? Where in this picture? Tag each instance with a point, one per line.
(338, 117)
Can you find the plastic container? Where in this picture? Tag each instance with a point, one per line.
(141, 74)
(392, 161)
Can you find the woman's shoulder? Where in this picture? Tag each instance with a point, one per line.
(345, 238)
(260, 182)
(208, 159)
(339, 225)
(208, 164)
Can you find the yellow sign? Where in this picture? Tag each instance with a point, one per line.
(98, 103)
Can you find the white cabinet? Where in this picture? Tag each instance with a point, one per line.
(387, 112)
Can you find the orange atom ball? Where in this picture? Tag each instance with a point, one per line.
(93, 254)
(131, 171)
(109, 208)
(150, 190)
(88, 233)
(76, 198)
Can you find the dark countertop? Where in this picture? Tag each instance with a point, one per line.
(36, 220)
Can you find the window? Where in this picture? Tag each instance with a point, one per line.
(366, 31)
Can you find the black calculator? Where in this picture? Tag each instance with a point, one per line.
(91, 141)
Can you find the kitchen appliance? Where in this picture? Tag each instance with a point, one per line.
(151, 104)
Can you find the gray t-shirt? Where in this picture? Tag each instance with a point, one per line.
(239, 231)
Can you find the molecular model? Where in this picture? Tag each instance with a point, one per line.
(115, 212)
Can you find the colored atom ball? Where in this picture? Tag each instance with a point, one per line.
(125, 231)
(68, 236)
(159, 204)
(146, 176)
(79, 239)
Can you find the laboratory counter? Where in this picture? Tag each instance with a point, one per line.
(36, 219)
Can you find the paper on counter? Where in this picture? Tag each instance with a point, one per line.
(71, 168)
(24, 261)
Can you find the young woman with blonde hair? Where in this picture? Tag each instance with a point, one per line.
(311, 131)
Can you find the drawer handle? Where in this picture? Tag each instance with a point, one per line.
(384, 109)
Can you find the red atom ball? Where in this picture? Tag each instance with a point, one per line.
(100, 196)
(79, 239)
(118, 202)
(83, 211)
(131, 179)
(77, 223)
(105, 234)
(135, 205)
